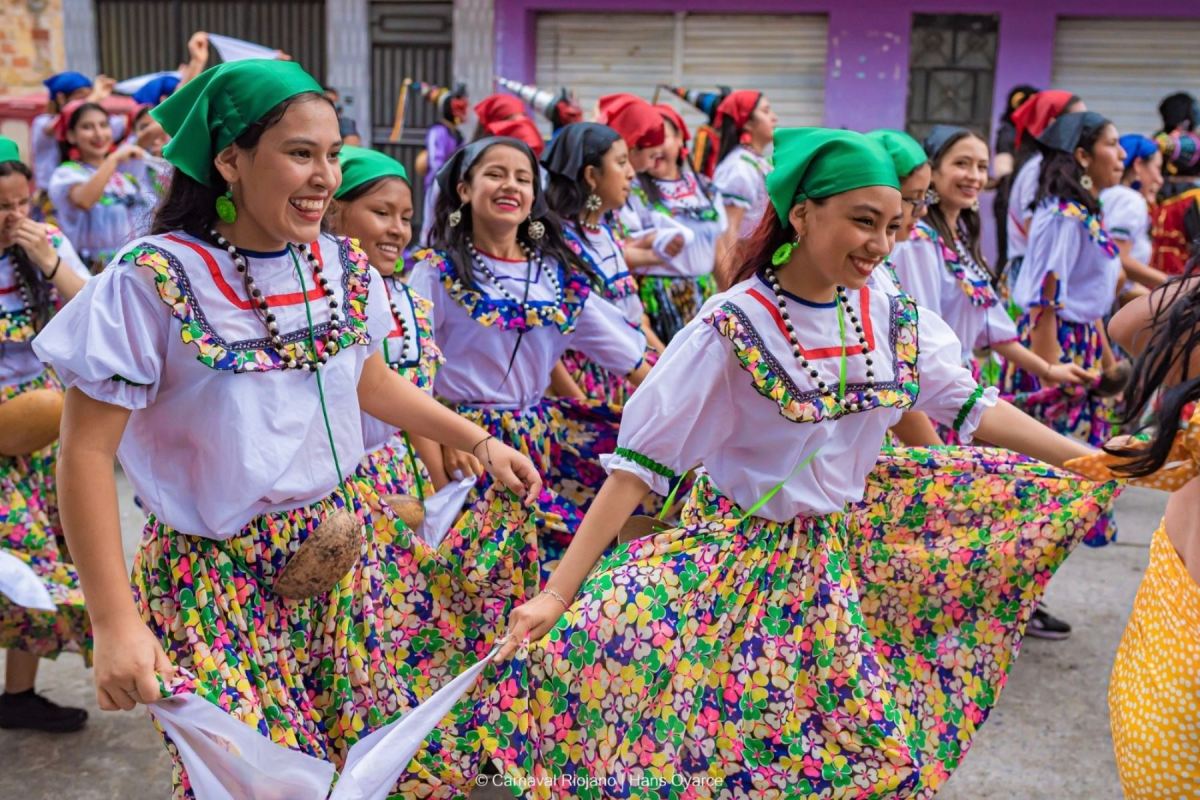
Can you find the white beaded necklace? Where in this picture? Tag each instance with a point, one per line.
(797, 351)
(530, 259)
(256, 297)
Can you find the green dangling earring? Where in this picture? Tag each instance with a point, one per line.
(226, 210)
(783, 253)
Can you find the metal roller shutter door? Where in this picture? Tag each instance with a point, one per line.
(783, 55)
(1123, 68)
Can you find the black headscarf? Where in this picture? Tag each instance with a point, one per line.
(459, 164)
(940, 137)
(576, 144)
(1065, 133)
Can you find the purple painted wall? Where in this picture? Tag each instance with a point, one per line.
(867, 73)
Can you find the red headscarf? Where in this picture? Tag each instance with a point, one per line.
(671, 115)
(738, 106)
(638, 122)
(64, 118)
(1035, 114)
(496, 107)
(522, 128)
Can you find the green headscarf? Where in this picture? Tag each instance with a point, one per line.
(360, 165)
(9, 150)
(906, 152)
(822, 162)
(206, 114)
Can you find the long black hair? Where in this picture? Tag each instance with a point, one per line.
(190, 206)
(1061, 175)
(568, 198)
(41, 291)
(453, 238)
(731, 134)
(970, 226)
(65, 147)
(1162, 376)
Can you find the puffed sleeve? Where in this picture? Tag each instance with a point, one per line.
(998, 329)
(667, 426)
(66, 251)
(1125, 213)
(379, 313)
(738, 182)
(1055, 242)
(948, 393)
(635, 214)
(604, 335)
(65, 177)
(110, 341)
(426, 281)
(918, 266)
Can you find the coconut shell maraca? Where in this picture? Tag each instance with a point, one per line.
(323, 558)
(29, 422)
(409, 509)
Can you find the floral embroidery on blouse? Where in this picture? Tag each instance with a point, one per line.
(1091, 223)
(422, 369)
(977, 288)
(504, 313)
(691, 186)
(773, 382)
(616, 286)
(256, 355)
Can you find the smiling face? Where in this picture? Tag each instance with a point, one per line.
(961, 173)
(845, 237)
(611, 182)
(381, 220)
(499, 188)
(664, 161)
(14, 205)
(913, 190)
(283, 186)
(92, 135)
(1106, 163)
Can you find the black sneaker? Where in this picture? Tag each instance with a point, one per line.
(31, 711)
(1043, 625)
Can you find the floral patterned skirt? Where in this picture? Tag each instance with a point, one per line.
(30, 530)
(598, 383)
(670, 303)
(396, 469)
(1071, 410)
(320, 673)
(844, 656)
(1076, 411)
(565, 439)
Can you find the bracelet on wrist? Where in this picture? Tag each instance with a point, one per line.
(53, 272)
(557, 597)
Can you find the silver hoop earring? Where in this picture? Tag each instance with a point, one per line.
(536, 230)
(455, 217)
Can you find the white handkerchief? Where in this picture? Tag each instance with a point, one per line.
(22, 585)
(228, 760)
(231, 49)
(131, 85)
(443, 509)
(375, 762)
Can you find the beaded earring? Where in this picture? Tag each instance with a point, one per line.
(783, 253)
(932, 198)
(536, 229)
(455, 218)
(226, 210)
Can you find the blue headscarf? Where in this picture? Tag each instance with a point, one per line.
(66, 82)
(1137, 146)
(156, 90)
